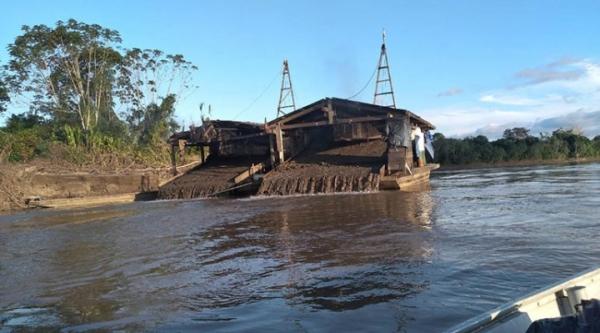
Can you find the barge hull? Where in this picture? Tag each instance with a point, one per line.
(419, 176)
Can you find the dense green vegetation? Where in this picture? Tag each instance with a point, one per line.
(28, 136)
(89, 99)
(515, 145)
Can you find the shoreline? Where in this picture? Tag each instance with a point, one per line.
(102, 199)
(516, 164)
(22, 187)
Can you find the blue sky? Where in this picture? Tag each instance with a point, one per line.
(465, 65)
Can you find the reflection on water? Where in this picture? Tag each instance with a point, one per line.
(419, 261)
(196, 258)
(324, 253)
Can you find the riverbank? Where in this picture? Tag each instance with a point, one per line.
(521, 163)
(26, 186)
(35, 185)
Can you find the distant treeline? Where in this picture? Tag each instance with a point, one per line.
(515, 145)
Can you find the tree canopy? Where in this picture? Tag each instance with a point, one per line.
(4, 99)
(152, 80)
(516, 145)
(516, 133)
(78, 74)
(68, 71)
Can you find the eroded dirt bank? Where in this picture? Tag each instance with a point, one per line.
(26, 186)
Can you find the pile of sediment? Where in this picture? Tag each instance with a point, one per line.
(342, 168)
(319, 184)
(352, 167)
(213, 177)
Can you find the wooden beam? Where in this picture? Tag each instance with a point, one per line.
(272, 150)
(424, 124)
(299, 113)
(174, 160)
(362, 119)
(330, 112)
(303, 125)
(202, 157)
(198, 144)
(279, 144)
(336, 121)
(249, 136)
(382, 170)
(254, 168)
(235, 138)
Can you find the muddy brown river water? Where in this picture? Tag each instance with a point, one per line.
(385, 262)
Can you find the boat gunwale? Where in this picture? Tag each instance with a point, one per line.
(505, 311)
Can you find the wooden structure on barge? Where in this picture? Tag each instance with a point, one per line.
(331, 145)
(230, 153)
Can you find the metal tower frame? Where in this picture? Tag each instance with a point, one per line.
(286, 93)
(383, 77)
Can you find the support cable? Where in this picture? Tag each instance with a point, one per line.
(366, 85)
(258, 97)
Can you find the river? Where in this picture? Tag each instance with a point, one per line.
(387, 262)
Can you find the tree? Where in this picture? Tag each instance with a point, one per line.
(149, 77)
(4, 98)
(517, 133)
(19, 122)
(158, 122)
(68, 70)
(77, 74)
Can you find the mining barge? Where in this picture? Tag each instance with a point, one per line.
(332, 145)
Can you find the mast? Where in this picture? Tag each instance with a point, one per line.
(384, 91)
(286, 94)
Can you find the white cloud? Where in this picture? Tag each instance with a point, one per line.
(564, 69)
(508, 100)
(551, 96)
(461, 121)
